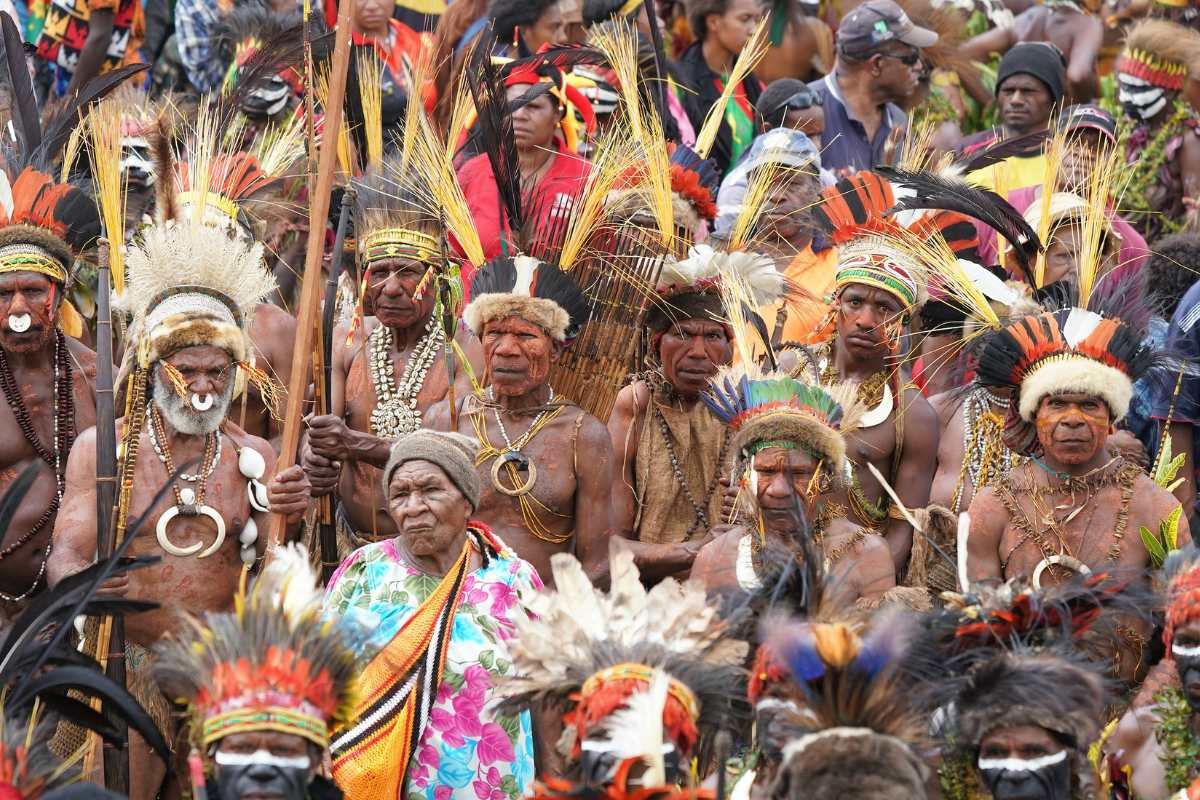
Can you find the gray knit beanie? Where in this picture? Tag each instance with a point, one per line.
(453, 452)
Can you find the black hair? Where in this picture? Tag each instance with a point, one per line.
(698, 11)
(1173, 266)
(770, 104)
(595, 11)
(508, 15)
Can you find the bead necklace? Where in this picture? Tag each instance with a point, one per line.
(164, 457)
(701, 513)
(64, 437)
(396, 409)
(533, 428)
(162, 449)
(985, 456)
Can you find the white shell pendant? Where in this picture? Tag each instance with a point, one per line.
(257, 494)
(249, 555)
(249, 534)
(251, 463)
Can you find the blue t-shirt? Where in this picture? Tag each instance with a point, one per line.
(846, 147)
(1183, 340)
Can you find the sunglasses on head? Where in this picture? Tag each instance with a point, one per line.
(805, 98)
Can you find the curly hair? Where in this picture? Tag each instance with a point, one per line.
(698, 11)
(508, 15)
(1173, 266)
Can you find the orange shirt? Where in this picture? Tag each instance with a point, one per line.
(813, 274)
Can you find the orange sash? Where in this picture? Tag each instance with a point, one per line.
(397, 689)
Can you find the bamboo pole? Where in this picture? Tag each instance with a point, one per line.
(116, 759)
(310, 293)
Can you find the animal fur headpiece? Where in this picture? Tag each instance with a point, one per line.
(1183, 591)
(644, 667)
(530, 289)
(277, 663)
(1161, 53)
(774, 410)
(1069, 350)
(1052, 693)
(690, 288)
(853, 732)
(389, 224)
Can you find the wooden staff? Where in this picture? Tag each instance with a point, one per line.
(116, 760)
(310, 293)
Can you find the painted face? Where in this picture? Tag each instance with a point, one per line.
(1141, 99)
(535, 122)
(264, 765)
(1025, 762)
(428, 509)
(1072, 428)
(550, 28)
(785, 483)
(28, 311)
(1025, 103)
(690, 353)
(518, 355)
(207, 374)
(392, 285)
(870, 320)
(789, 205)
(1185, 649)
(733, 28)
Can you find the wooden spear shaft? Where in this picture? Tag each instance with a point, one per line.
(116, 759)
(310, 292)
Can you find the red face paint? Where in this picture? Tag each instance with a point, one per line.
(518, 355)
(1072, 428)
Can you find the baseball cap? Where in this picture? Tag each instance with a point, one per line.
(878, 22)
(1090, 117)
(783, 146)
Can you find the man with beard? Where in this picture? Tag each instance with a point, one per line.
(46, 376)
(191, 287)
(671, 448)
(388, 374)
(788, 442)
(545, 463)
(1074, 507)
(1154, 744)
(265, 686)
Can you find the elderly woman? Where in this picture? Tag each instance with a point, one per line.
(437, 604)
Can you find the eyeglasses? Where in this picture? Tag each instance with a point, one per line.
(803, 99)
(909, 59)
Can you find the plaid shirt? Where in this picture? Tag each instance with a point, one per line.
(195, 22)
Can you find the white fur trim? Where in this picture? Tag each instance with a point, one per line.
(1075, 373)
(546, 314)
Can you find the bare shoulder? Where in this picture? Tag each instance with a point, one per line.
(83, 356)
(348, 347)
(437, 416)
(917, 408)
(1152, 498)
(242, 439)
(987, 511)
(633, 399)
(592, 431)
(946, 405)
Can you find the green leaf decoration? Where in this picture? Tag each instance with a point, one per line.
(1153, 547)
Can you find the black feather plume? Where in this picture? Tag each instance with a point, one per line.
(24, 113)
(66, 117)
(1030, 144)
(494, 128)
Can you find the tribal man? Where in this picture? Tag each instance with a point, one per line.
(46, 376)
(388, 371)
(876, 292)
(672, 448)
(264, 731)
(544, 462)
(789, 449)
(1073, 507)
(191, 287)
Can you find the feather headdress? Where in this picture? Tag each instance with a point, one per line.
(596, 654)
(275, 663)
(692, 287)
(390, 223)
(1159, 53)
(528, 288)
(1182, 570)
(1069, 350)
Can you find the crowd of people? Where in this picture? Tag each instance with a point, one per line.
(600, 399)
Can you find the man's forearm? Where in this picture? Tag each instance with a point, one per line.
(657, 561)
(899, 537)
(369, 449)
(94, 50)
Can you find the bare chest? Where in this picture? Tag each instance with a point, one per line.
(376, 378)
(527, 458)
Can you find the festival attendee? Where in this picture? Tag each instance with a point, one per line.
(191, 287)
(877, 290)
(641, 700)
(390, 370)
(1030, 83)
(550, 174)
(1071, 372)
(397, 46)
(1163, 151)
(440, 602)
(789, 103)
(788, 443)
(545, 464)
(878, 65)
(1178, 409)
(671, 448)
(524, 28)
(81, 40)
(1074, 31)
(722, 28)
(1065, 239)
(265, 686)
(195, 32)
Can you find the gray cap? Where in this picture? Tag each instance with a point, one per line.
(785, 146)
(878, 22)
(453, 452)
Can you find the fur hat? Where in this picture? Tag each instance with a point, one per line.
(532, 290)
(849, 762)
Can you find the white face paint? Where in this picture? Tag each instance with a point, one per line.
(19, 323)
(1023, 764)
(202, 402)
(263, 757)
(1139, 97)
(1183, 651)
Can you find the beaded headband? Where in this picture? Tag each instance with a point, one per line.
(640, 672)
(399, 243)
(1152, 69)
(878, 270)
(26, 257)
(301, 719)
